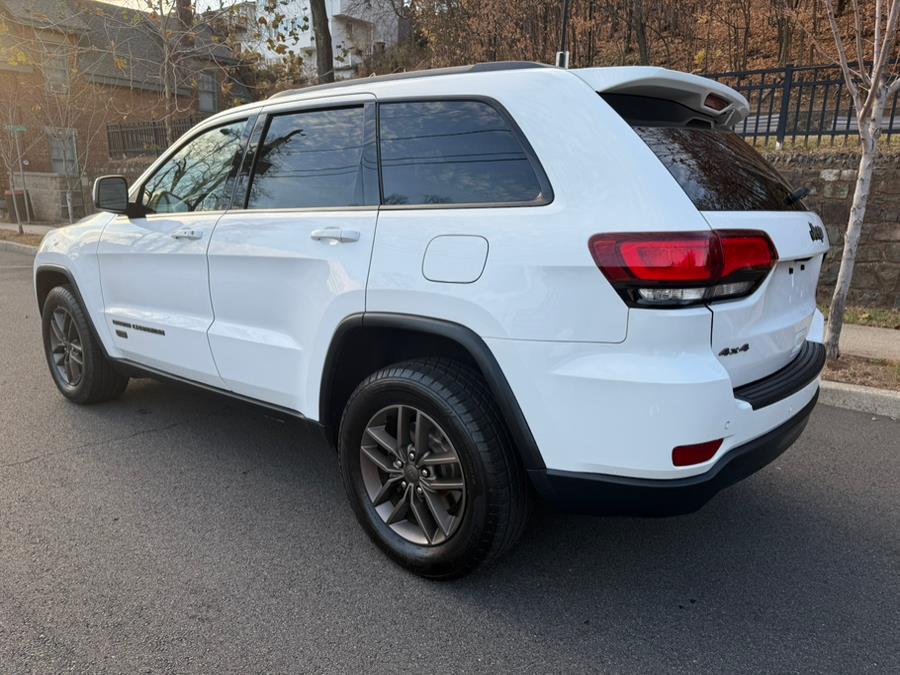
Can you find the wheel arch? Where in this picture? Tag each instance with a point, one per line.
(49, 276)
(363, 343)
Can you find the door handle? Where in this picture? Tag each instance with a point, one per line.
(335, 235)
(187, 234)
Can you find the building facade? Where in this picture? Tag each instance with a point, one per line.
(83, 95)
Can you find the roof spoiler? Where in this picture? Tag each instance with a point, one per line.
(692, 91)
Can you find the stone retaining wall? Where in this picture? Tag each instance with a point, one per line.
(832, 178)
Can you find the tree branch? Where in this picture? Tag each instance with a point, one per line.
(842, 55)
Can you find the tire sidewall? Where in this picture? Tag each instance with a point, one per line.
(62, 297)
(442, 559)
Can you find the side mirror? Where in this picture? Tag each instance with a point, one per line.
(111, 194)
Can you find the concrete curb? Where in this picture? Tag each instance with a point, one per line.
(864, 399)
(17, 248)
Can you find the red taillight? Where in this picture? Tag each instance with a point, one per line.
(685, 455)
(679, 268)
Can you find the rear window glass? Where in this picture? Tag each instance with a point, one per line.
(718, 170)
(453, 152)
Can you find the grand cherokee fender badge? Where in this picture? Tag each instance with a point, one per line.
(816, 233)
(729, 351)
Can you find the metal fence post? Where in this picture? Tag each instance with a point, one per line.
(785, 102)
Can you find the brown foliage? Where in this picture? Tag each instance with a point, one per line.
(691, 35)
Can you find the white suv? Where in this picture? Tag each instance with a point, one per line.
(479, 281)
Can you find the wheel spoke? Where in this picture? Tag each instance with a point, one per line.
(56, 330)
(438, 458)
(441, 517)
(384, 494)
(444, 484)
(381, 436)
(423, 425)
(378, 459)
(75, 368)
(421, 515)
(401, 509)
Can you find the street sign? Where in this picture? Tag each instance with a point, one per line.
(16, 128)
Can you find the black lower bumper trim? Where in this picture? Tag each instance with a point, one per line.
(805, 367)
(619, 495)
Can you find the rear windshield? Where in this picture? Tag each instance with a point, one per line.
(718, 170)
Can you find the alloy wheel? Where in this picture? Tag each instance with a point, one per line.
(413, 475)
(66, 347)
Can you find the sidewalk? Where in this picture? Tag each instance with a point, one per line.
(874, 343)
(29, 229)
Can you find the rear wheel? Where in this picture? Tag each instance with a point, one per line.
(429, 468)
(79, 368)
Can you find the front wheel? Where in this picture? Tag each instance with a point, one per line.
(429, 468)
(77, 363)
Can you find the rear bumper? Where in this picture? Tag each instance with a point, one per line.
(619, 495)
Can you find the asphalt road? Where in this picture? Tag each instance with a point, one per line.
(177, 531)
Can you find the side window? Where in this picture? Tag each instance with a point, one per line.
(453, 152)
(312, 159)
(198, 176)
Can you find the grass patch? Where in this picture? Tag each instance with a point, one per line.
(879, 373)
(12, 235)
(869, 316)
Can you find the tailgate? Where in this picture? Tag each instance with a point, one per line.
(757, 335)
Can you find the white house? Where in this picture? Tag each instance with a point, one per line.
(358, 28)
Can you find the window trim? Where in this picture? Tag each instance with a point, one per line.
(547, 194)
(175, 148)
(261, 128)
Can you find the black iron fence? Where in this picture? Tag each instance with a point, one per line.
(134, 139)
(805, 104)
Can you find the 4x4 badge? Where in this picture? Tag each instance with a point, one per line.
(816, 233)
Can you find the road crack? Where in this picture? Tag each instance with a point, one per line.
(90, 444)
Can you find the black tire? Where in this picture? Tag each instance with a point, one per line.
(98, 380)
(497, 495)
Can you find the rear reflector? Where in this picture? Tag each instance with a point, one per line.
(683, 268)
(685, 455)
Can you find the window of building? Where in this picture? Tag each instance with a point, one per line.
(453, 152)
(63, 151)
(207, 93)
(199, 176)
(313, 159)
(56, 71)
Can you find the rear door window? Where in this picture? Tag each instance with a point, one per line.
(312, 159)
(455, 152)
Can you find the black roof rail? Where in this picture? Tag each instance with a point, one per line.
(454, 70)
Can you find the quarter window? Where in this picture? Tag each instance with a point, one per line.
(312, 159)
(198, 177)
(453, 152)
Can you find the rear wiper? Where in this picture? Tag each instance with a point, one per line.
(796, 196)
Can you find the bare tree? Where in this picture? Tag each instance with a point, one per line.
(9, 157)
(324, 49)
(870, 86)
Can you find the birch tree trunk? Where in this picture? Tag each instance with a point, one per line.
(851, 239)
